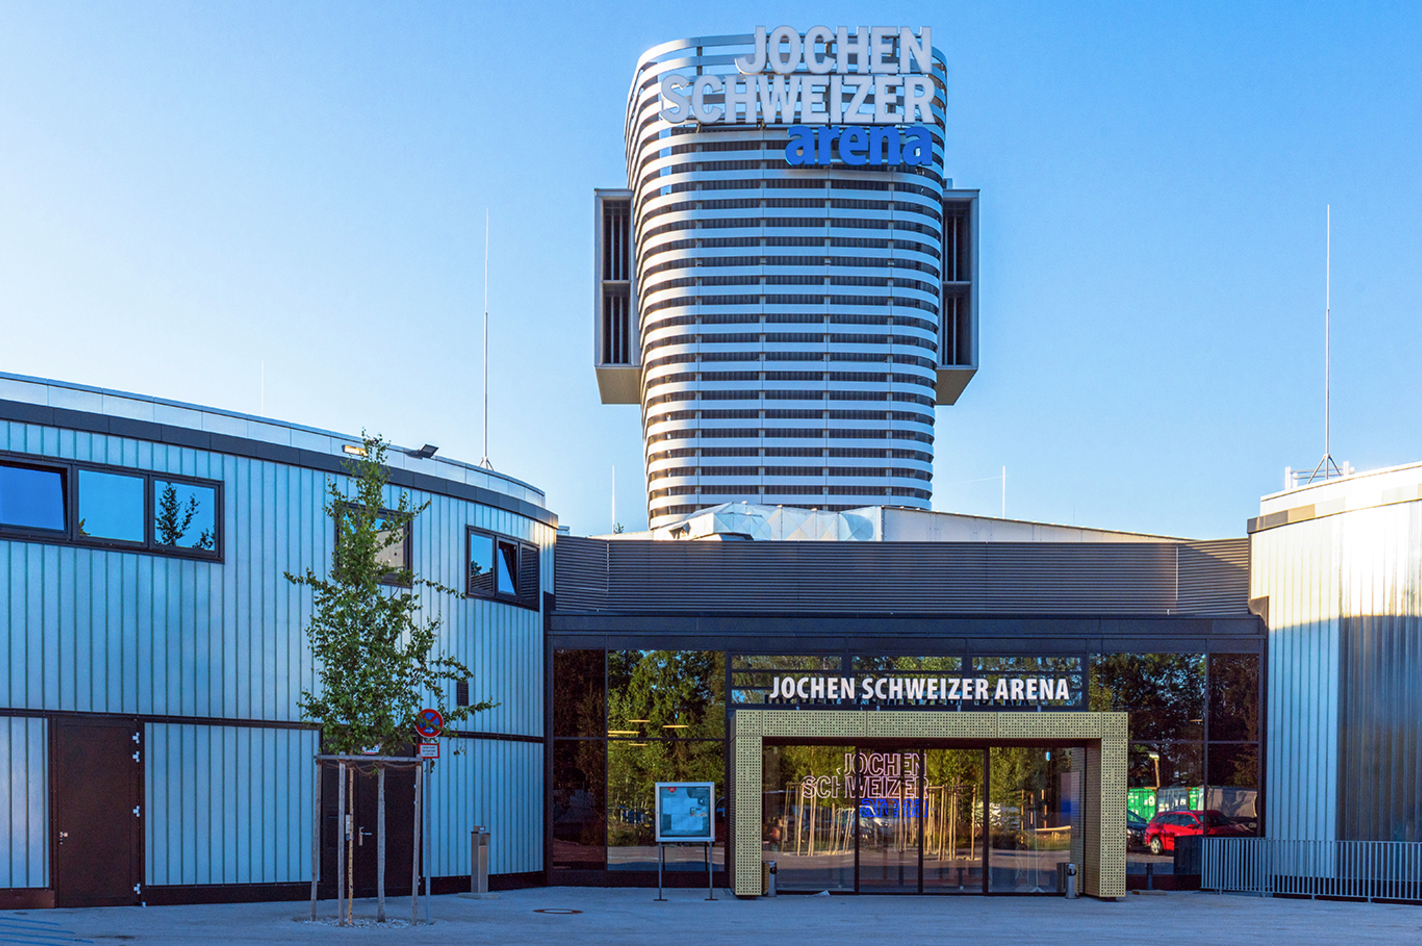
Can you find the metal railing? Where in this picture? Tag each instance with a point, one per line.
(1371, 870)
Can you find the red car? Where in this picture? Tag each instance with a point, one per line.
(1165, 827)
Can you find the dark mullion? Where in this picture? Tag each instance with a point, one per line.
(987, 819)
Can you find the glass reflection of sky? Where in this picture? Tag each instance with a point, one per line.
(31, 499)
(111, 506)
(507, 562)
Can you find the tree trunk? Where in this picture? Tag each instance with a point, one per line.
(380, 848)
(340, 841)
(350, 852)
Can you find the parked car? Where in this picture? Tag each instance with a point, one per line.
(1164, 828)
(1135, 830)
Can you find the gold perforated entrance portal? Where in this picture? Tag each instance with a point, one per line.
(926, 827)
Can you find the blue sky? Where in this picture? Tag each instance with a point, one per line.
(190, 191)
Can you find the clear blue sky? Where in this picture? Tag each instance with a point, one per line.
(188, 190)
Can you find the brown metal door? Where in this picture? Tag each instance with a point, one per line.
(96, 784)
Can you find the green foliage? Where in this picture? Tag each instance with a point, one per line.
(371, 647)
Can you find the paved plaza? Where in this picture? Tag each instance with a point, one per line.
(622, 916)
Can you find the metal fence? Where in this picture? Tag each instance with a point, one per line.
(1371, 870)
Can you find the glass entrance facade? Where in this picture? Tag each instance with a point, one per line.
(901, 818)
(959, 820)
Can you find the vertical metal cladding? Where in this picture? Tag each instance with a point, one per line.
(227, 804)
(24, 799)
(102, 631)
(1345, 653)
(789, 317)
(494, 784)
(1296, 569)
(138, 634)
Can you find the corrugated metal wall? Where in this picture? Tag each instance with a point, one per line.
(495, 784)
(1380, 677)
(116, 632)
(904, 577)
(1343, 586)
(1296, 568)
(125, 633)
(24, 847)
(227, 804)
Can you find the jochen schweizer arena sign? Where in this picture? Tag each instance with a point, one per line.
(844, 94)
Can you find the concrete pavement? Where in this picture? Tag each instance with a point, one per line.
(623, 916)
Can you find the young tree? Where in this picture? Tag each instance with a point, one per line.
(373, 648)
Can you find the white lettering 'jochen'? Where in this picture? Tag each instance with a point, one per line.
(791, 79)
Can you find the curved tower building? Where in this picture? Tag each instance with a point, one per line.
(787, 285)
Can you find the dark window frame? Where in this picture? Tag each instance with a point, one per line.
(69, 535)
(388, 579)
(522, 597)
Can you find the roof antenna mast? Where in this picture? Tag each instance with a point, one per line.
(484, 462)
(1326, 467)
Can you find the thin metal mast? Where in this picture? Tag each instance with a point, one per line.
(484, 462)
(1326, 467)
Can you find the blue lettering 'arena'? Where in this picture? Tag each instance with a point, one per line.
(856, 146)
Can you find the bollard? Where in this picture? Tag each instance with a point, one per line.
(1071, 882)
(770, 875)
(479, 860)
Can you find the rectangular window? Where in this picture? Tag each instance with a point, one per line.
(481, 564)
(184, 515)
(502, 568)
(32, 498)
(70, 502)
(506, 568)
(111, 506)
(392, 544)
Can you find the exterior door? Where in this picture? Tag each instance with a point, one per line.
(890, 819)
(96, 784)
(953, 832)
(1033, 801)
(364, 824)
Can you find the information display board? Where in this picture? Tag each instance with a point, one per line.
(684, 812)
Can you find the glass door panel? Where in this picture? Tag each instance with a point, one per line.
(953, 821)
(890, 801)
(808, 804)
(1033, 811)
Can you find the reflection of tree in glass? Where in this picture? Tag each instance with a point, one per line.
(674, 700)
(1164, 693)
(174, 518)
(1234, 697)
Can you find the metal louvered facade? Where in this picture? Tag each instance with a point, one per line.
(1019, 578)
(194, 663)
(786, 331)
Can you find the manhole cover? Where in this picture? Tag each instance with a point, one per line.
(559, 912)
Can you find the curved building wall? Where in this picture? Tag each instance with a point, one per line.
(205, 657)
(788, 318)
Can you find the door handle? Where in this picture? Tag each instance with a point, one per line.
(62, 836)
(363, 835)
